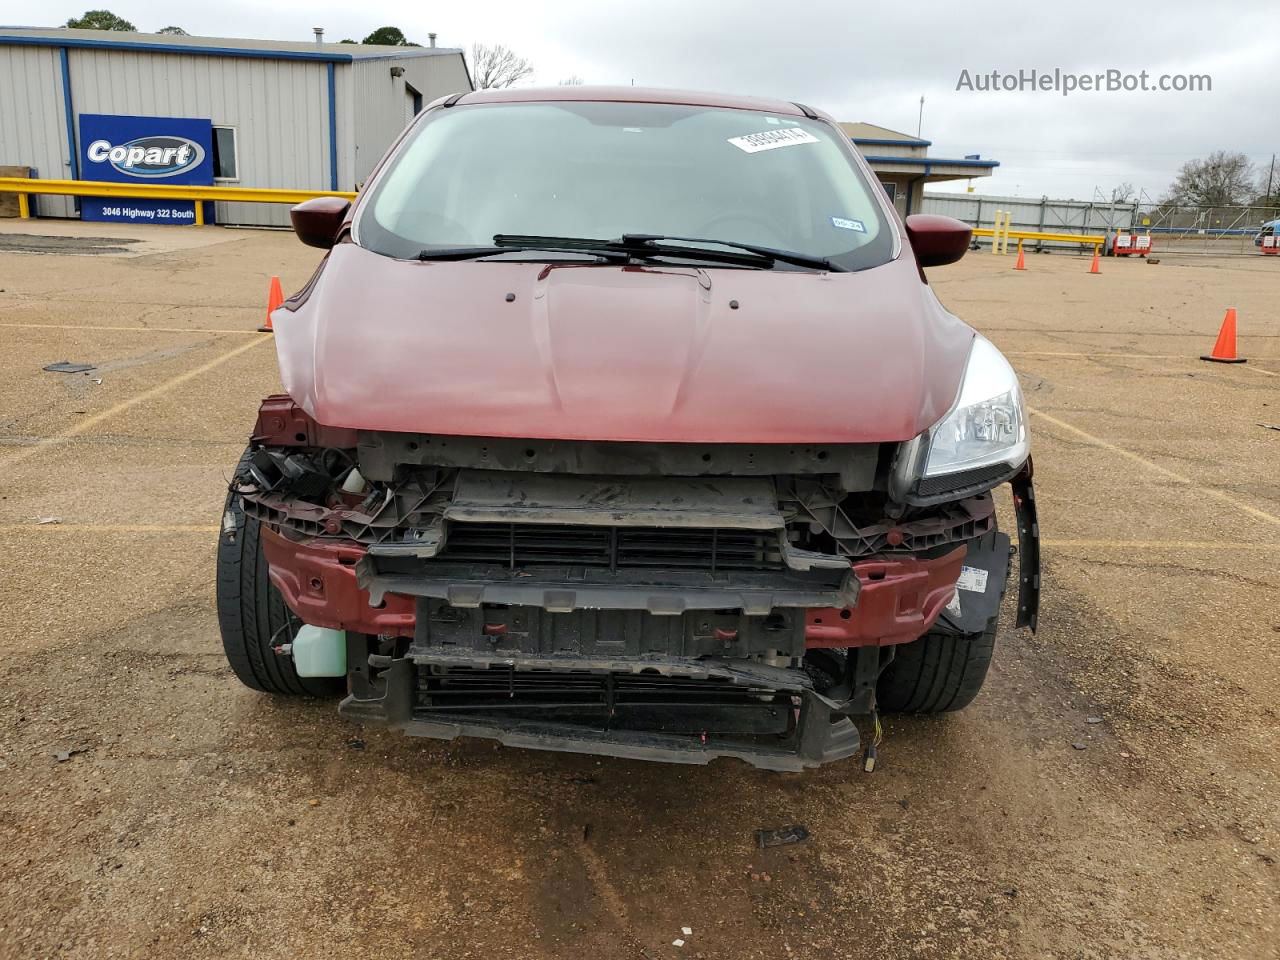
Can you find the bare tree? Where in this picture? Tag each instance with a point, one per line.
(573, 80)
(1123, 193)
(1269, 184)
(497, 66)
(1222, 179)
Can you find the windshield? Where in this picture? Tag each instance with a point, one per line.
(602, 170)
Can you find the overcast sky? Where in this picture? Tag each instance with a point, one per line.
(863, 61)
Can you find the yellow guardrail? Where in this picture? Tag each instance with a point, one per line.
(24, 187)
(1091, 240)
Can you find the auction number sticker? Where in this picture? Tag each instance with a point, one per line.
(973, 579)
(772, 139)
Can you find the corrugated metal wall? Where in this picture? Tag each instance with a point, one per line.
(890, 150)
(33, 129)
(385, 105)
(278, 107)
(1045, 215)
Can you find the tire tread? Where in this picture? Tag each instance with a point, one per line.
(938, 673)
(251, 612)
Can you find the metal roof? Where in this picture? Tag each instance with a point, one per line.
(932, 161)
(213, 46)
(872, 134)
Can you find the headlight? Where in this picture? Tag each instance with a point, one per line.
(988, 425)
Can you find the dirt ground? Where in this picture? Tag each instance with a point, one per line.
(152, 807)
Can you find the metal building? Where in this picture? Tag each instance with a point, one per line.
(903, 164)
(291, 115)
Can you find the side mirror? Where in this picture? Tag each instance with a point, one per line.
(317, 221)
(936, 240)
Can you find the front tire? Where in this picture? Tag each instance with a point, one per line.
(937, 673)
(253, 616)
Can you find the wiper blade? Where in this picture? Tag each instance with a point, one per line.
(633, 249)
(651, 240)
(458, 253)
(479, 252)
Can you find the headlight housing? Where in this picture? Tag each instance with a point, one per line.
(988, 425)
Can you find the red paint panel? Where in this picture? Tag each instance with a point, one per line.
(608, 94)
(900, 599)
(318, 582)
(607, 353)
(282, 423)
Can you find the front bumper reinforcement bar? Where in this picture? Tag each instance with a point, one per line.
(783, 723)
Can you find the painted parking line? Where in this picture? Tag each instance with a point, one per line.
(1067, 544)
(80, 326)
(1156, 468)
(113, 528)
(1129, 356)
(1123, 333)
(1059, 355)
(89, 423)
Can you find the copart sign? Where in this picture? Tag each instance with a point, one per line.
(148, 156)
(157, 150)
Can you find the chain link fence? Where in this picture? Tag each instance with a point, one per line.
(1221, 231)
(1175, 228)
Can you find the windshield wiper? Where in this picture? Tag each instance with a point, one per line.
(636, 247)
(458, 253)
(479, 252)
(650, 240)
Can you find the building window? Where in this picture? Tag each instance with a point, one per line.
(891, 189)
(226, 165)
(415, 99)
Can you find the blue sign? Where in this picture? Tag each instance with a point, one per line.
(177, 150)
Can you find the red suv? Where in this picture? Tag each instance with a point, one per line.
(625, 422)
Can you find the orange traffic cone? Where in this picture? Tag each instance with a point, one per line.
(274, 298)
(1224, 351)
(1022, 262)
(1096, 258)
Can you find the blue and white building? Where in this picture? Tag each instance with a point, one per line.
(303, 116)
(904, 166)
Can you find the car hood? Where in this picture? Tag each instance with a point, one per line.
(643, 353)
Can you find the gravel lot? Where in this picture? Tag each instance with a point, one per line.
(152, 807)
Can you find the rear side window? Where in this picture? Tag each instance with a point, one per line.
(600, 170)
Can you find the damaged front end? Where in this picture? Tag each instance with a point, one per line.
(676, 602)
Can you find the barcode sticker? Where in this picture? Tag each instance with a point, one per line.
(772, 139)
(973, 579)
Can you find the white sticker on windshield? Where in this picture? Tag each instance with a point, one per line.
(772, 139)
(846, 224)
(973, 579)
